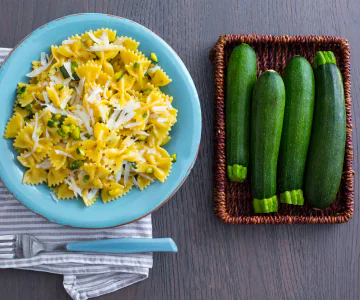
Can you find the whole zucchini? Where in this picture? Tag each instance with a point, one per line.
(299, 83)
(241, 78)
(327, 144)
(266, 125)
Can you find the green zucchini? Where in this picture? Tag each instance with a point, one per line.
(327, 144)
(241, 78)
(299, 83)
(268, 105)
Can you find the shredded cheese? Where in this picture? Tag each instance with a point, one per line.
(39, 70)
(69, 42)
(60, 152)
(56, 199)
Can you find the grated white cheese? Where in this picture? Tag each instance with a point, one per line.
(94, 95)
(131, 125)
(140, 132)
(67, 66)
(56, 199)
(146, 176)
(46, 164)
(27, 154)
(153, 70)
(39, 70)
(94, 38)
(73, 186)
(151, 151)
(158, 108)
(154, 116)
(92, 193)
(162, 120)
(35, 136)
(46, 98)
(69, 42)
(168, 104)
(111, 122)
(65, 102)
(127, 113)
(57, 79)
(105, 38)
(106, 88)
(119, 173)
(60, 152)
(135, 181)
(119, 41)
(102, 112)
(126, 173)
(85, 119)
(105, 48)
(43, 60)
(79, 90)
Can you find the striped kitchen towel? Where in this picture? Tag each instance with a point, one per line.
(85, 275)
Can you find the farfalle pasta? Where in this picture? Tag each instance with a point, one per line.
(92, 120)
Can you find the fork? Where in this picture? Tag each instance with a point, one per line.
(26, 246)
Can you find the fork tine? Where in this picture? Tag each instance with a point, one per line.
(9, 255)
(7, 237)
(7, 244)
(9, 249)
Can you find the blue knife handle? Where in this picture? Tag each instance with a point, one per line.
(125, 245)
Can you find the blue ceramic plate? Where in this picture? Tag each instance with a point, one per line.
(185, 134)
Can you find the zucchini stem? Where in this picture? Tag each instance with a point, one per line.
(324, 57)
(236, 173)
(266, 205)
(294, 197)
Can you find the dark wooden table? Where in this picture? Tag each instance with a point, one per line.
(217, 261)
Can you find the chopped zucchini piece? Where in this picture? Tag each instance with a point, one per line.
(74, 65)
(28, 118)
(147, 92)
(173, 157)
(136, 65)
(75, 76)
(59, 86)
(76, 164)
(64, 73)
(65, 128)
(72, 127)
(21, 90)
(142, 138)
(76, 133)
(50, 123)
(119, 75)
(57, 117)
(111, 111)
(80, 151)
(86, 178)
(28, 107)
(150, 171)
(61, 133)
(154, 57)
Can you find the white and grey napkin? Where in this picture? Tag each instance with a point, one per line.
(85, 275)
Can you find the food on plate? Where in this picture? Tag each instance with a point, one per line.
(327, 144)
(93, 119)
(268, 105)
(299, 83)
(241, 78)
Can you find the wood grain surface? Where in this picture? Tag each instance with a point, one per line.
(217, 261)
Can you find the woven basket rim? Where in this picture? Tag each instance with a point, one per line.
(217, 56)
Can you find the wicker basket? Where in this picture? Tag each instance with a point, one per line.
(233, 201)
